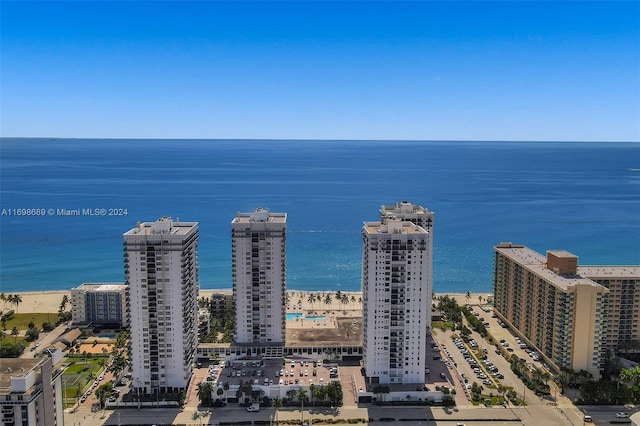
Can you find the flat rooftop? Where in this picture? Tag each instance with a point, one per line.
(15, 367)
(260, 217)
(394, 228)
(536, 263)
(163, 226)
(101, 286)
(610, 272)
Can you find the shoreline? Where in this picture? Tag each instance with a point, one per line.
(49, 301)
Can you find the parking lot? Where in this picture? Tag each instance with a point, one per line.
(478, 361)
(269, 372)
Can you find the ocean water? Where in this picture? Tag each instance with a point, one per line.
(581, 197)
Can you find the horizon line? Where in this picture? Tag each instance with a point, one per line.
(53, 138)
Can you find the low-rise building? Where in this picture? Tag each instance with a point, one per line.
(102, 304)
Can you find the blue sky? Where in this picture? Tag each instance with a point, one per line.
(455, 70)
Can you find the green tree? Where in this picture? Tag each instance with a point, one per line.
(204, 393)
(311, 299)
(103, 392)
(118, 364)
(16, 300)
(32, 334)
(277, 403)
(14, 333)
(631, 378)
(327, 299)
(291, 394)
(334, 393)
(63, 303)
(302, 396)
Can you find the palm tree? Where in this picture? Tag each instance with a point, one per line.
(312, 393)
(64, 303)
(353, 299)
(327, 299)
(277, 403)
(103, 392)
(3, 299)
(14, 333)
(17, 300)
(468, 296)
(291, 394)
(302, 395)
(311, 299)
(338, 295)
(344, 299)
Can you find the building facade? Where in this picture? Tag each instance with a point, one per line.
(552, 306)
(259, 276)
(623, 305)
(161, 268)
(31, 391)
(99, 304)
(221, 304)
(396, 290)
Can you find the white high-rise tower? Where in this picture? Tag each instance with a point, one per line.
(161, 268)
(259, 276)
(396, 288)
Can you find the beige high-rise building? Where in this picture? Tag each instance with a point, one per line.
(623, 305)
(552, 307)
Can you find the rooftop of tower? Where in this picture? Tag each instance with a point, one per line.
(260, 215)
(99, 287)
(393, 226)
(404, 207)
(163, 226)
(610, 271)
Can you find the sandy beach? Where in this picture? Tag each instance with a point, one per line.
(49, 301)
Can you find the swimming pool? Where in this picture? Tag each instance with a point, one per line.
(107, 335)
(294, 315)
(316, 317)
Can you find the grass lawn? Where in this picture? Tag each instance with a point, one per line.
(8, 338)
(442, 325)
(78, 373)
(22, 320)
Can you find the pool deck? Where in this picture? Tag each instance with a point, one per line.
(342, 324)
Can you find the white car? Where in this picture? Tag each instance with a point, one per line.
(622, 415)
